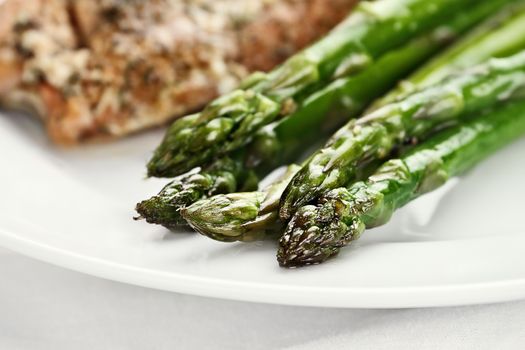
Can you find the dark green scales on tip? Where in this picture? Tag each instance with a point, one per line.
(224, 176)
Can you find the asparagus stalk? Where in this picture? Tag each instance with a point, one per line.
(375, 135)
(230, 122)
(319, 114)
(318, 232)
(500, 35)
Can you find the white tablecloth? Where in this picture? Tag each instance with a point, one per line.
(45, 307)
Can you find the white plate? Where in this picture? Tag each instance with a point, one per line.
(464, 244)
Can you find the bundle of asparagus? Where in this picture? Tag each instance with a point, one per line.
(488, 85)
(458, 108)
(229, 123)
(317, 113)
(483, 42)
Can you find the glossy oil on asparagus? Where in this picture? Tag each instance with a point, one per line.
(224, 176)
(243, 216)
(281, 142)
(231, 121)
(318, 232)
(375, 135)
(500, 35)
(493, 38)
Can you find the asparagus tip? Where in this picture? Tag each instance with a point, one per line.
(315, 234)
(222, 217)
(157, 211)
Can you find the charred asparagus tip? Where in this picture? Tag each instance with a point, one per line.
(315, 234)
(157, 211)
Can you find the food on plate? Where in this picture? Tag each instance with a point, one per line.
(105, 68)
(239, 218)
(230, 122)
(224, 176)
(498, 36)
(281, 142)
(242, 216)
(377, 134)
(317, 115)
(319, 231)
(398, 143)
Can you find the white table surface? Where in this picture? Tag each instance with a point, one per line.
(47, 307)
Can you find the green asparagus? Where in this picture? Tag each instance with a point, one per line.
(499, 36)
(231, 121)
(281, 142)
(317, 232)
(375, 135)
(244, 216)
(490, 41)
(224, 176)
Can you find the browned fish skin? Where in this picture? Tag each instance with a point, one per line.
(106, 68)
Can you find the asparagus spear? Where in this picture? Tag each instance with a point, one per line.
(230, 122)
(318, 232)
(280, 142)
(375, 135)
(244, 216)
(224, 176)
(499, 36)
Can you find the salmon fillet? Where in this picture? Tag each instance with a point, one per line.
(96, 69)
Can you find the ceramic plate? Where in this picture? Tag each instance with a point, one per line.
(463, 244)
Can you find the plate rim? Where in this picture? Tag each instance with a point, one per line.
(343, 297)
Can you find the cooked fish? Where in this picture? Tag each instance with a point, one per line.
(106, 68)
